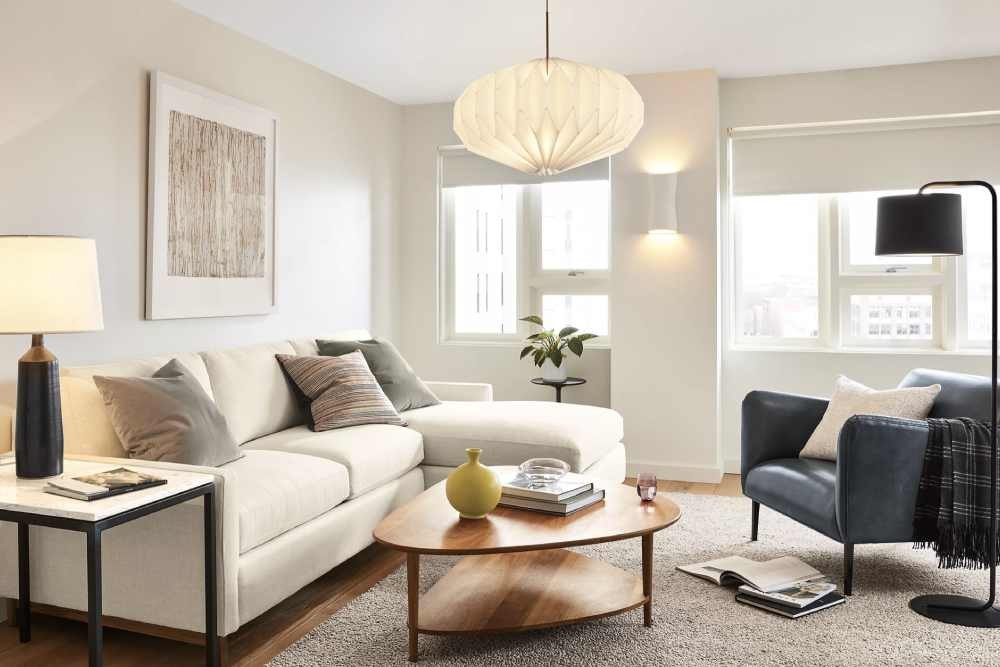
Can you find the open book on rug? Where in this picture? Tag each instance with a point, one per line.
(767, 576)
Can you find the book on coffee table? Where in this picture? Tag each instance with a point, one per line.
(516, 485)
(561, 507)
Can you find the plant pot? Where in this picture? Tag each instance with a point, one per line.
(552, 373)
(473, 489)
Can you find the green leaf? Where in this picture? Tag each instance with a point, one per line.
(567, 331)
(576, 346)
(526, 350)
(536, 336)
(585, 337)
(539, 357)
(534, 319)
(557, 357)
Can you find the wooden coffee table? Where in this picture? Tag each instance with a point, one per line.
(517, 573)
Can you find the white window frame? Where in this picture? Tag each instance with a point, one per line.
(532, 281)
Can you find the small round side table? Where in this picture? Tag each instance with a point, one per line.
(559, 384)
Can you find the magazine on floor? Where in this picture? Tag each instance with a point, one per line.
(801, 594)
(825, 602)
(767, 576)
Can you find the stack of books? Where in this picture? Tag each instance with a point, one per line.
(570, 494)
(102, 484)
(784, 585)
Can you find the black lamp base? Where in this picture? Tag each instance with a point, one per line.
(957, 610)
(38, 435)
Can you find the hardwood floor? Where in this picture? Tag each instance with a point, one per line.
(64, 642)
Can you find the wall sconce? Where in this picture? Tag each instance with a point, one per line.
(661, 203)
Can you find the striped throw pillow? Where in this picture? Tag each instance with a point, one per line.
(341, 391)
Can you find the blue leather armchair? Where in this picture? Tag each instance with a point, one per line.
(869, 494)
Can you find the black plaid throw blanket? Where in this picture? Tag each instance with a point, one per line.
(953, 503)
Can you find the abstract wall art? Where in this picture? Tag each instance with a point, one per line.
(211, 224)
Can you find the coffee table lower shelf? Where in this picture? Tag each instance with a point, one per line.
(524, 590)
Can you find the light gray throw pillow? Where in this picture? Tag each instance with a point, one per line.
(168, 417)
(853, 398)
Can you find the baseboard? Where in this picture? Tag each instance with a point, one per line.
(677, 472)
(731, 466)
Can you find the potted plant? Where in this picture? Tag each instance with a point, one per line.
(547, 347)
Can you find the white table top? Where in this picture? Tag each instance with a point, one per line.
(26, 495)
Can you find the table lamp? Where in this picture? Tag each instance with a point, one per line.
(930, 223)
(48, 284)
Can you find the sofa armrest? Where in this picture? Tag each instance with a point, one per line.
(776, 426)
(227, 521)
(461, 391)
(879, 464)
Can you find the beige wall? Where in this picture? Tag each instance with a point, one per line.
(908, 90)
(425, 128)
(73, 128)
(664, 365)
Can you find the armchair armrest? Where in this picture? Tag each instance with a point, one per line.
(776, 426)
(461, 391)
(879, 463)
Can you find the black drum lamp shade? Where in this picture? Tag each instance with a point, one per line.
(922, 224)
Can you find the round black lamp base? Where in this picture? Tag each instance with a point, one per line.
(969, 612)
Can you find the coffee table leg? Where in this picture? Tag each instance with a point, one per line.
(413, 600)
(647, 578)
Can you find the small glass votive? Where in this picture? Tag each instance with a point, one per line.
(645, 486)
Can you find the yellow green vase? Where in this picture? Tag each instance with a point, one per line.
(472, 488)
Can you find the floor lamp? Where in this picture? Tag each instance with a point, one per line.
(931, 224)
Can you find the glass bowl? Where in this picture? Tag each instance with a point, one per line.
(542, 472)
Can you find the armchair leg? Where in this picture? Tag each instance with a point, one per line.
(754, 520)
(848, 569)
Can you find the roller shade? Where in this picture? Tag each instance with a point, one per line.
(460, 167)
(879, 156)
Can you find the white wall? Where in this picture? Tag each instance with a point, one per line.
(664, 364)
(425, 128)
(882, 92)
(73, 128)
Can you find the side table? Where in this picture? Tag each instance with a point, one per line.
(23, 501)
(559, 384)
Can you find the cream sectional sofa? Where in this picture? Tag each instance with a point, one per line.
(298, 503)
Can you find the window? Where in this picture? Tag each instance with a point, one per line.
(805, 274)
(777, 266)
(521, 248)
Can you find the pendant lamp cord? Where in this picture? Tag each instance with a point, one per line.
(546, 36)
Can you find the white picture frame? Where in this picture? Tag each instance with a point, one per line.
(193, 268)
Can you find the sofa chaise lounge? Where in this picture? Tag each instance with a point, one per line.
(298, 503)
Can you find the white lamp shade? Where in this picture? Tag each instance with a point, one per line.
(661, 197)
(49, 284)
(543, 121)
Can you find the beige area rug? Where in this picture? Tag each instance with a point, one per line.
(695, 622)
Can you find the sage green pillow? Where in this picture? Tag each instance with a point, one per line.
(401, 385)
(168, 417)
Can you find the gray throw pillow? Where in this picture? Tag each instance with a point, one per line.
(394, 375)
(168, 417)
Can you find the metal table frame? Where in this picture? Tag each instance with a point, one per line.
(93, 531)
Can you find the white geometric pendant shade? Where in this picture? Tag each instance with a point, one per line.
(544, 122)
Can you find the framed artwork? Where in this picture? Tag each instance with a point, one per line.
(211, 223)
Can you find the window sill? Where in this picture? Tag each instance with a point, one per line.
(901, 351)
(515, 344)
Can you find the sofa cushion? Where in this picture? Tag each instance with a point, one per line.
(87, 428)
(803, 489)
(252, 390)
(510, 432)
(373, 454)
(277, 491)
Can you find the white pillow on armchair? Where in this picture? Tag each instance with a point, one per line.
(853, 398)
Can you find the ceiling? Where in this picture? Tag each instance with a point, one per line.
(418, 51)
